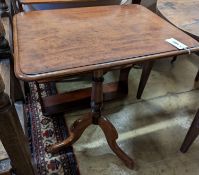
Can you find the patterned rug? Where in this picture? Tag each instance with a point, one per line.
(44, 131)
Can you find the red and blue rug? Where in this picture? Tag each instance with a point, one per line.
(44, 131)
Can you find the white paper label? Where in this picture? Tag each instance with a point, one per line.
(177, 43)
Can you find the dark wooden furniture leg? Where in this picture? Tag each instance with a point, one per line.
(123, 79)
(173, 59)
(111, 136)
(15, 87)
(192, 134)
(12, 136)
(136, 1)
(4, 11)
(94, 117)
(146, 70)
(6, 53)
(4, 45)
(197, 76)
(16, 92)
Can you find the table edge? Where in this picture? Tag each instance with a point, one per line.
(158, 12)
(90, 68)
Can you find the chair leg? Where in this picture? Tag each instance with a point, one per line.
(123, 79)
(197, 76)
(146, 70)
(174, 59)
(191, 135)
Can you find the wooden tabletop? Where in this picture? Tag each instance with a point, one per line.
(182, 13)
(58, 43)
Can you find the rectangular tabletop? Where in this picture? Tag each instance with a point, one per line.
(57, 43)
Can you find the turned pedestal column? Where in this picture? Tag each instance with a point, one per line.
(95, 117)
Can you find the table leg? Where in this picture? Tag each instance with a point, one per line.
(191, 135)
(75, 133)
(197, 76)
(95, 118)
(111, 137)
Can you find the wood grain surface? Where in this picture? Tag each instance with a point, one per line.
(85, 39)
(182, 13)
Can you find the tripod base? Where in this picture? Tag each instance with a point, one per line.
(94, 117)
(109, 130)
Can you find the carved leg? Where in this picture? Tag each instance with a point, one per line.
(75, 133)
(123, 79)
(96, 107)
(12, 136)
(197, 76)
(111, 137)
(192, 134)
(174, 59)
(94, 118)
(146, 70)
(4, 11)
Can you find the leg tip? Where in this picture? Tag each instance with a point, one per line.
(183, 150)
(130, 164)
(49, 149)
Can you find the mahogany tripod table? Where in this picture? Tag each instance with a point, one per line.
(62, 43)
